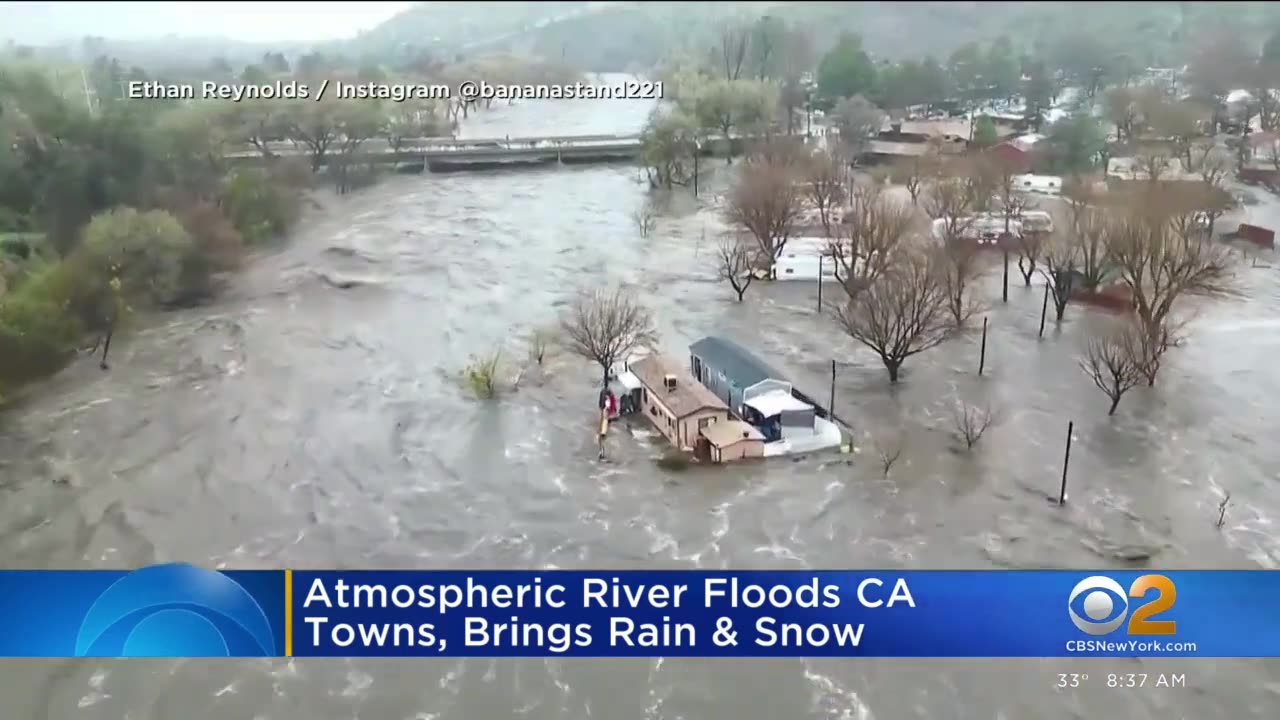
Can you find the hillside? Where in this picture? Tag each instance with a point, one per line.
(626, 35)
(450, 25)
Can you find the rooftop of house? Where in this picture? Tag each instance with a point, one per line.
(903, 149)
(949, 127)
(689, 395)
(1129, 168)
(735, 361)
(1025, 142)
(725, 433)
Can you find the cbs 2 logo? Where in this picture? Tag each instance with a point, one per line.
(1098, 605)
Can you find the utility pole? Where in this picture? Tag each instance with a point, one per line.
(88, 97)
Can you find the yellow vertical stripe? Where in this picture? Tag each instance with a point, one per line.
(288, 613)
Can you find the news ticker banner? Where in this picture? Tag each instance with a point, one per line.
(186, 611)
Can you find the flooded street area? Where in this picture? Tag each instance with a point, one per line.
(313, 418)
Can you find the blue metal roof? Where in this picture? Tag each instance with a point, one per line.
(735, 361)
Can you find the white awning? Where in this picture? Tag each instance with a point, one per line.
(777, 402)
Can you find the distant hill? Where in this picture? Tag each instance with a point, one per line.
(626, 35)
(441, 26)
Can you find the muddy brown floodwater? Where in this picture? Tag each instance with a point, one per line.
(312, 419)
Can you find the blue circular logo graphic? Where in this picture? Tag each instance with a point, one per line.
(1098, 605)
(175, 610)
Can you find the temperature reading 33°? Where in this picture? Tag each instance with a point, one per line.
(1071, 680)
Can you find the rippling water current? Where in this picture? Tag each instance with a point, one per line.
(312, 419)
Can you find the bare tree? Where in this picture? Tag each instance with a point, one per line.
(982, 180)
(735, 39)
(766, 203)
(948, 199)
(1030, 250)
(1091, 244)
(949, 202)
(901, 315)
(825, 186)
(606, 326)
(645, 220)
(971, 422)
(734, 264)
(1148, 349)
(874, 230)
(1058, 267)
(857, 120)
(960, 268)
(1110, 361)
(888, 446)
(1012, 204)
(1161, 264)
(1080, 198)
(1154, 163)
(1213, 163)
(910, 173)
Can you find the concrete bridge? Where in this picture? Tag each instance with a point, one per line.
(453, 154)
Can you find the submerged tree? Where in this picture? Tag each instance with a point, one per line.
(606, 326)
(766, 203)
(1058, 267)
(824, 185)
(874, 230)
(1161, 255)
(900, 315)
(668, 143)
(734, 265)
(1111, 360)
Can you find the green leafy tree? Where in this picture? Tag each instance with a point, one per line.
(1038, 93)
(846, 70)
(259, 205)
(1074, 143)
(190, 147)
(729, 106)
(146, 251)
(984, 132)
(668, 142)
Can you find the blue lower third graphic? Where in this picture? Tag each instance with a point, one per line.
(185, 611)
(159, 611)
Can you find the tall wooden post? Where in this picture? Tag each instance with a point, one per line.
(696, 152)
(1066, 461)
(831, 409)
(820, 259)
(1044, 308)
(1005, 292)
(982, 356)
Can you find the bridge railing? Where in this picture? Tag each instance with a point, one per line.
(422, 144)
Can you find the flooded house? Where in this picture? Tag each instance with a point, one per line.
(761, 397)
(677, 405)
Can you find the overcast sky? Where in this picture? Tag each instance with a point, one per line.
(44, 22)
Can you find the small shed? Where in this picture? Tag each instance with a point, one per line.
(730, 370)
(1012, 156)
(731, 440)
